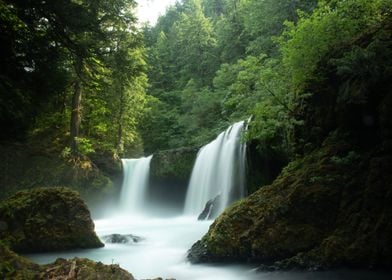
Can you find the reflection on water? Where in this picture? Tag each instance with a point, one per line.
(162, 253)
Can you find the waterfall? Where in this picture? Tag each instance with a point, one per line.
(218, 172)
(133, 192)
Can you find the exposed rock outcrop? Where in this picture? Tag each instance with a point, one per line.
(170, 172)
(121, 238)
(331, 208)
(47, 219)
(211, 209)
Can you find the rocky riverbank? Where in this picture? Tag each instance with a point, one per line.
(332, 208)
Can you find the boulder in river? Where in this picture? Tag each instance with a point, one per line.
(47, 219)
(211, 209)
(121, 238)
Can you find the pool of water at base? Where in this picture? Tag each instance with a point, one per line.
(163, 248)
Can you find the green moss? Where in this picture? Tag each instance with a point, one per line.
(25, 167)
(176, 164)
(47, 219)
(16, 267)
(327, 209)
(13, 266)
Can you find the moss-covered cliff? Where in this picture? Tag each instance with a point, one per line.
(46, 219)
(173, 164)
(170, 171)
(330, 208)
(26, 167)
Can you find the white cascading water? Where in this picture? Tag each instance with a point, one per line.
(219, 170)
(134, 188)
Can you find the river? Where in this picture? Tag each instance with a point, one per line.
(162, 253)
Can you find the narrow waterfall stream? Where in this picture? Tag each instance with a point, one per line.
(135, 183)
(218, 172)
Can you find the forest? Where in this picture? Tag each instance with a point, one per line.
(84, 84)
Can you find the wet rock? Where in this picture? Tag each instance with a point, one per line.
(121, 238)
(210, 210)
(329, 209)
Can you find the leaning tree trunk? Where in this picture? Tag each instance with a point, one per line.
(76, 109)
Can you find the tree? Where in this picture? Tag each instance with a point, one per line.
(195, 45)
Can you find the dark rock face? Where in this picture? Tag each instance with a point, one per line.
(331, 208)
(210, 210)
(47, 219)
(177, 163)
(169, 174)
(263, 165)
(120, 238)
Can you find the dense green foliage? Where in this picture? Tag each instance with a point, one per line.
(332, 91)
(75, 74)
(216, 62)
(71, 71)
(251, 58)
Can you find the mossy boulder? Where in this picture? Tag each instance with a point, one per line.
(47, 219)
(331, 208)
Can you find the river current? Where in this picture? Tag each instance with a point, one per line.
(163, 248)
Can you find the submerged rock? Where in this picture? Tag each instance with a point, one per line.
(121, 238)
(47, 219)
(211, 210)
(331, 208)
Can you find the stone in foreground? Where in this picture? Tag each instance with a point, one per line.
(47, 219)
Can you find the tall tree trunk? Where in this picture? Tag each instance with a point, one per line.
(76, 108)
(120, 142)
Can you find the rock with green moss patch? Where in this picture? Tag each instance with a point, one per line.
(13, 266)
(85, 269)
(331, 208)
(47, 219)
(176, 163)
(170, 171)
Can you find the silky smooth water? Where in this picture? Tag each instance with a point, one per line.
(135, 184)
(218, 170)
(163, 251)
